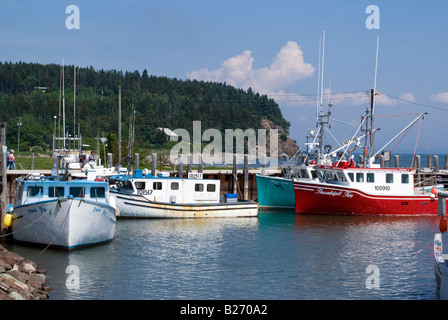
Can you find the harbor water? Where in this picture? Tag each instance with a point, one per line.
(279, 256)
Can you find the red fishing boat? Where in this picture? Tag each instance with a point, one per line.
(346, 189)
(365, 188)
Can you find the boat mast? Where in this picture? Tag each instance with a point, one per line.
(321, 116)
(372, 103)
(63, 107)
(74, 106)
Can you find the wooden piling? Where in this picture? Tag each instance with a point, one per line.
(154, 164)
(234, 175)
(263, 165)
(382, 161)
(246, 177)
(417, 161)
(180, 167)
(201, 165)
(109, 160)
(136, 161)
(397, 161)
(190, 164)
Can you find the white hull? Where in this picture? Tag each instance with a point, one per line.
(66, 223)
(440, 268)
(136, 206)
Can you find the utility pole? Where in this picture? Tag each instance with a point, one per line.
(19, 124)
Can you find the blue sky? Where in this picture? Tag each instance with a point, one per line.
(271, 46)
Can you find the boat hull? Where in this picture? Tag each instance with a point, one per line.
(312, 198)
(64, 223)
(440, 268)
(136, 206)
(275, 192)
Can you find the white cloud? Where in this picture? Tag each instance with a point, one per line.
(440, 97)
(287, 68)
(408, 97)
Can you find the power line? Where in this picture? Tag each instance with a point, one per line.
(413, 102)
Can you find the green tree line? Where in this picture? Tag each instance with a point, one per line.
(31, 93)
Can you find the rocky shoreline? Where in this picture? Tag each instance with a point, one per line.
(20, 278)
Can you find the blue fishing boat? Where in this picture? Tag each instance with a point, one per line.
(53, 211)
(275, 192)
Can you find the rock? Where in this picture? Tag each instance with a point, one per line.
(16, 296)
(20, 278)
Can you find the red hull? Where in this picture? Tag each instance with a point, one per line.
(325, 199)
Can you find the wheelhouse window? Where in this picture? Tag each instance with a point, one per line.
(359, 177)
(340, 176)
(77, 192)
(370, 177)
(351, 175)
(157, 185)
(389, 178)
(174, 185)
(304, 174)
(198, 187)
(54, 192)
(35, 191)
(405, 178)
(211, 187)
(140, 185)
(97, 192)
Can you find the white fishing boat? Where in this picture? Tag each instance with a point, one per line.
(440, 258)
(440, 268)
(67, 214)
(146, 196)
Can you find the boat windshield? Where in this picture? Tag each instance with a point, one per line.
(331, 176)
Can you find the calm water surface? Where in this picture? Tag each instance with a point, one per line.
(278, 255)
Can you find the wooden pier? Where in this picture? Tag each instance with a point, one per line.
(225, 176)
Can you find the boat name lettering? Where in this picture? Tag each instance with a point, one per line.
(344, 194)
(144, 192)
(382, 188)
(32, 210)
(103, 211)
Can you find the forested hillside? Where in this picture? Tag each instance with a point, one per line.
(157, 102)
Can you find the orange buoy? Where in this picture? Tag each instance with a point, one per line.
(434, 190)
(443, 225)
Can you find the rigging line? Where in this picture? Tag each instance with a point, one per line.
(334, 137)
(60, 228)
(399, 141)
(306, 94)
(416, 103)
